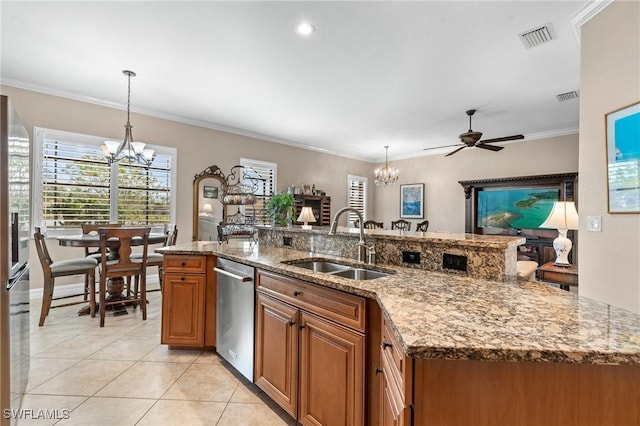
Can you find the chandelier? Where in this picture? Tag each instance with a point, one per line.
(386, 175)
(133, 152)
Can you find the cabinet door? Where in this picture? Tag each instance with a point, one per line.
(276, 363)
(183, 309)
(331, 373)
(391, 414)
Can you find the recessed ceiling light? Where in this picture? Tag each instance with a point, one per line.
(305, 28)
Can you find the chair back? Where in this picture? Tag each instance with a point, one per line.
(356, 223)
(422, 226)
(88, 228)
(401, 224)
(171, 235)
(123, 265)
(43, 253)
(372, 224)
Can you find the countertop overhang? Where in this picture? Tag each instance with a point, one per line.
(444, 316)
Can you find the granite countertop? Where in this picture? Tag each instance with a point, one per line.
(473, 240)
(438, 315)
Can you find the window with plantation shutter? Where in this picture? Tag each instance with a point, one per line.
(76, 185)
(356, 197)
(265, 174)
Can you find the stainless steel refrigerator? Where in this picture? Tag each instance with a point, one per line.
(15, 230)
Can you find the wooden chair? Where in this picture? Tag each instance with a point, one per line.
(123, 266)
(88, 228)
(422, 226)
(51, 270)
(401, 224)
(156, 259)
(372, 224)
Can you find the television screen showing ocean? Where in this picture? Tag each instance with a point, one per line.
(515, 208)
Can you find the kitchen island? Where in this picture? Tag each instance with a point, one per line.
(475, 351)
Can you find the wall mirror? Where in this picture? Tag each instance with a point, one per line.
(207, 203)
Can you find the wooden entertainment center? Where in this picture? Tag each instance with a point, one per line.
(539, 245)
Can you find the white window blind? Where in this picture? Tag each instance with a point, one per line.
(264, 174)
(357, 197)
(77, 185)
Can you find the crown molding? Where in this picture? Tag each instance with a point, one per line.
(582, 16)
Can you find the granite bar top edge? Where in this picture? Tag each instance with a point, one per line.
(472, 240)
(580, 337)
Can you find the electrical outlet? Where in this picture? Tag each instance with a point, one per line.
(594, 223)
(453, 261)
(411, 257)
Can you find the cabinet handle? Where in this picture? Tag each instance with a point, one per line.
(181, 278)
(297, 293)
(379, 370)
(386, 345)
(301, 326)
(183, 264)
(292, 323)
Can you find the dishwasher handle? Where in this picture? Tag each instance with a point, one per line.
(234, 276)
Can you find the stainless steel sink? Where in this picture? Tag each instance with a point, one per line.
(360, 274)
(321, 266)
(338, 269)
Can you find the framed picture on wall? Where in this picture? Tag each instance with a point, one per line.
(623, 159)
(412, 201)
(210, 192)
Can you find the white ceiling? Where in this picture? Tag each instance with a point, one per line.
(372, 74)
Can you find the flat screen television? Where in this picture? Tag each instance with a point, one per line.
(515, 208)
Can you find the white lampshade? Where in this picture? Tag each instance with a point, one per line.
(207, 208)
(306, 215)
(563, 217)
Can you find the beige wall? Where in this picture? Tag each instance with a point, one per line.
(444, 197)
(610, 78)
(197, 148)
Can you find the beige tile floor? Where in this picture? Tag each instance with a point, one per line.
(121, 375)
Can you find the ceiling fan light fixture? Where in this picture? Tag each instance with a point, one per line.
(386, 174)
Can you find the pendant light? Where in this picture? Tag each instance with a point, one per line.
(134, 152)
(386, 175)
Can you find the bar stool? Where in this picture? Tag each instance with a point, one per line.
(422, 226)
(372, 224)
(401, 224)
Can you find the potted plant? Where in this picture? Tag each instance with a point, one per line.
(280, 209)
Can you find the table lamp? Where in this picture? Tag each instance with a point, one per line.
(306, 215)
(207, 209)
(563, 217)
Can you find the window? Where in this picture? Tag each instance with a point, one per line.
(74, 184)
(357, 197)
(265, 174)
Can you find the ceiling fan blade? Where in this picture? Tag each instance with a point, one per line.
(489, 147)
(503, 139)
(453, 152)
(438, 147)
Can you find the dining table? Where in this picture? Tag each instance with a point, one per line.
(115, 286)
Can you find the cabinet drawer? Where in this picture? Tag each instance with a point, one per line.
(183, 263)
(393, 354)
(343, 308)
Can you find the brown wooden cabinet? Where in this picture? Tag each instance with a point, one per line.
(397, 385)
(320, 205)
(188, 302)
(310, 350)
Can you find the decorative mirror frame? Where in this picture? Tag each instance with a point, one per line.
(208, 173)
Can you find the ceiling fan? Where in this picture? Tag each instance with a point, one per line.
(471, 139)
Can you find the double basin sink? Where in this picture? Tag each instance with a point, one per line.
(338, 269)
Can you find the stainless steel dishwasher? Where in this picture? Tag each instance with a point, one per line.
(235, 315)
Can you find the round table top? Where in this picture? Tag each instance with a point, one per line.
(93, 240)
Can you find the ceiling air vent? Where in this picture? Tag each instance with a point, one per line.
(567, 96)
(536, 36)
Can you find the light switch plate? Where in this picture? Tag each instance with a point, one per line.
(594, 223)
